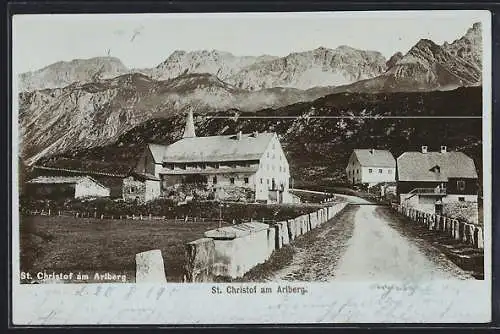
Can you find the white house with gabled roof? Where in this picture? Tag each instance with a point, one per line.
(254, 161)
(371, 166)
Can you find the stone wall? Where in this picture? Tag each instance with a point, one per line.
(233, 250)
(465, 211)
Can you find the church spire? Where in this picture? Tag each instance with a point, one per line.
(189, 129)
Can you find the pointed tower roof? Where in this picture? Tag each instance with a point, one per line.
(189, 129)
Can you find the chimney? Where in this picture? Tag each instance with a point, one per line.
(238, 136)
(189, 129)
(443, 149)
(424, 149)
(372, 151)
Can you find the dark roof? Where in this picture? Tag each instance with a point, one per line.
(113, 172)
(416, 166)
(144, 176)
(213, 148)
(63, 180)
(375, 158)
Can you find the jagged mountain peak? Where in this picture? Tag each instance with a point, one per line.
(469, 47)
(394, 59)
(223, 64)
(319, 67)
(64, 73)
(429, 66)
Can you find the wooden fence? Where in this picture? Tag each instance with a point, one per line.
(465, 232)
(96, 215)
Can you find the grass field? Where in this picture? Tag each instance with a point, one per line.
(67, 244)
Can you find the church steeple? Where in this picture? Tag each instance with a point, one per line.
(189, 129)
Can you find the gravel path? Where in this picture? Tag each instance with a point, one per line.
(365, 242)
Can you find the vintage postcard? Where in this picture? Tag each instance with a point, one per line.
(327, 167)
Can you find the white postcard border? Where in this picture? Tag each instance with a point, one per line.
(354, 302)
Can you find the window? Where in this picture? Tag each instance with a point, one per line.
(268, 154)
(461, 185)
(389, 171)
(214, 180)
(246, 180)
(370, 170)
(274, 156)
(132, 190)
(261, 181)
(267, 181)
(231, 180)
(461, 199)
(380, 171)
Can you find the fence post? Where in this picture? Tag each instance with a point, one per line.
(102, 216)
(149, 216)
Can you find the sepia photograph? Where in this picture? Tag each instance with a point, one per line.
(245, 154)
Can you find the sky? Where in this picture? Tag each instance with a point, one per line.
(145, 40)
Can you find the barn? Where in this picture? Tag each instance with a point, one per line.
(57, 187)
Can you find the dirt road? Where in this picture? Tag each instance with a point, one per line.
(365, 242)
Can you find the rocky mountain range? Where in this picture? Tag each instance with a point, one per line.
(428, 66)
(89, 103)
(93, 114)
(65, 73)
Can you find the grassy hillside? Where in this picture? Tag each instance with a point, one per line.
(317, 145)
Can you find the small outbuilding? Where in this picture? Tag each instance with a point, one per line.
(141, 187)
(55, 187)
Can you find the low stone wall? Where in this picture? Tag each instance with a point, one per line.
(232, 251)
(456, 229)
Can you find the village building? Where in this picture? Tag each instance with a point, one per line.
(111, 177)
(440, 182)
(370, 167)
(229, 166)
(141, 187)
(66, 187)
